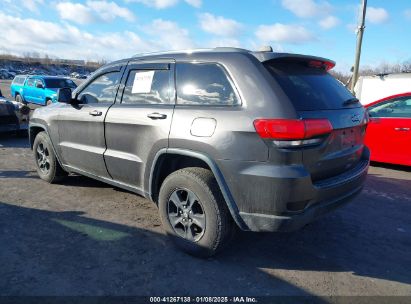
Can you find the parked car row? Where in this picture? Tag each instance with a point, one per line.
(9, 70)
(79, 76)
(6, 74)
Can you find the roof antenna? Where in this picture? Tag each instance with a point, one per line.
(265, 48)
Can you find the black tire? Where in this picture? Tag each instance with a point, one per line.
(47, 165)
(20, 99)
(218, 224)
(48, 102)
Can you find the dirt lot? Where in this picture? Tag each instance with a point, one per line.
(87, 238)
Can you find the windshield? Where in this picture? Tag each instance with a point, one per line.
(56, 83)
(310, 88)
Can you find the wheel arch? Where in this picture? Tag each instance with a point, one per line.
(36, 128)
(33, 131)
(168, 161)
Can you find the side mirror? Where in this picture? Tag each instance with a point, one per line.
(64, 95)
(39, 85)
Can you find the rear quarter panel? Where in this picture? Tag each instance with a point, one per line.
(234, 137)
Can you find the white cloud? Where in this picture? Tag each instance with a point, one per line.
(352, 27)
(168, 35)
(307, 8)
(195, 3)
(224, 42)
(108, 11)
(219, 25)
(75, 12)
(68, 41)
(162, 4)
(93, 11)
(159, 4)
(278, 32)
(313, 9)
(376, 15)
(32, 5)
(329, 22)
(407, 14)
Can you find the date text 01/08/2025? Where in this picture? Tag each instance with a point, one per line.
(203, 300)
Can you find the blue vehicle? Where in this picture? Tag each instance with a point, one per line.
(37, 89)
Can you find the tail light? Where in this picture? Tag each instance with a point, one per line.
(293, 132)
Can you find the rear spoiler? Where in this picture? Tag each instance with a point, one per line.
(314, 61)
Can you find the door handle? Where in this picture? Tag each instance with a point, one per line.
(157, 116)
(95, 113)
(401, 129)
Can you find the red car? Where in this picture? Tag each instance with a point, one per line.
(389, 130)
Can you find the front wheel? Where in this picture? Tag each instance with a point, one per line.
(193, 212)
(47, 165)
(19, 99)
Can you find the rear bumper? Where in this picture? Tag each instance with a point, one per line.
(284, 198)
(266, 222)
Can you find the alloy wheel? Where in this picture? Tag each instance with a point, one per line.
(186, 215)
(43, 158)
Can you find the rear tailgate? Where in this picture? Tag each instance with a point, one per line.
(315, 94)
(342, 149)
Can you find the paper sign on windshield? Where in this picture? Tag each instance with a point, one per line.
(142, 82)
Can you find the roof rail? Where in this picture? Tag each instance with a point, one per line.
(188, 51)
(169, 52)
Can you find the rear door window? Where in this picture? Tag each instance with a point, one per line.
(30, 82)
(309, 88)
(204, 84)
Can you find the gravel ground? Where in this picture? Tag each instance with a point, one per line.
(83, 237)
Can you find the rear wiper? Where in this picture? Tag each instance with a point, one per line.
(350, 101)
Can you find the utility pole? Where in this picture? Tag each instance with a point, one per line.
(360, 33)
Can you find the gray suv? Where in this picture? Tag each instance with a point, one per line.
(218, 139)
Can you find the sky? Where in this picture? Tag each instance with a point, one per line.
(109, 30)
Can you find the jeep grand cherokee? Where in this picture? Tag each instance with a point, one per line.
(216, 138)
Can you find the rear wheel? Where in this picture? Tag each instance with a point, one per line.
(194, 213)
(48, 102)
(47, 165)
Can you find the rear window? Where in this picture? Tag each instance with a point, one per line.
(55, 83)
(19, 80)
(309, 88)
